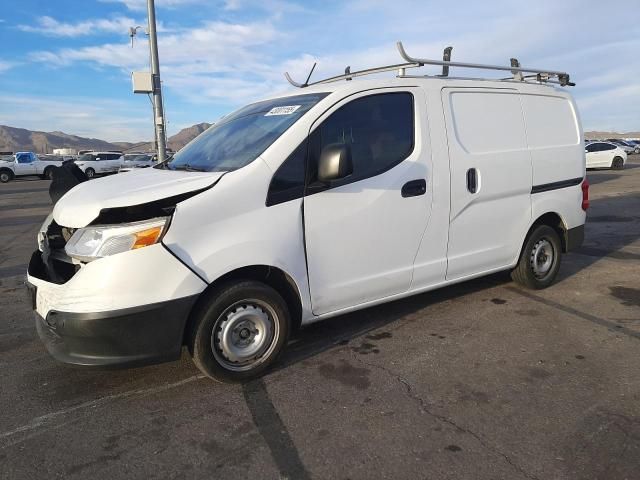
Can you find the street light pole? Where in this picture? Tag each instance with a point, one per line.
(158, 110)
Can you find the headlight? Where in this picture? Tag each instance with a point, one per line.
(91, 243)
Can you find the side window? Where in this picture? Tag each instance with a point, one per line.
(24, 158)
(288, 181)
(608, 146)
(592, 147)
(379, 129)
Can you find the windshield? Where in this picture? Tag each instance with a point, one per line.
(86, 158)
(241, 137)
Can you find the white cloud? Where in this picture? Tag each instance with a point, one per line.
(4, 66)
(83, 116)
(52, 27)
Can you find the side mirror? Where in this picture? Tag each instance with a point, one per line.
(335, 162)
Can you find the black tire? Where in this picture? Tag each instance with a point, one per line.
(535, 270)
(48, 173)
(6, 176)
(223, 320)
(617, 163)
(90, 172)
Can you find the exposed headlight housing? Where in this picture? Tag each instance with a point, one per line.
(91, 243)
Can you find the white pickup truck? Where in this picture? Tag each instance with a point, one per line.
(26, 163)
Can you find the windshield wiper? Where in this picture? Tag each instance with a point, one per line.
(188, 168)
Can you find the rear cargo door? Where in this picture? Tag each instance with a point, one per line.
(490, 183)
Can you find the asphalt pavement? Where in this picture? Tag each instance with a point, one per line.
(483, 380)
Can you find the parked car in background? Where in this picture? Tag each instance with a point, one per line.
(136, 160)
(605, 155)
(26, 164)
(99, 163)
(635, 144)
(629, 149)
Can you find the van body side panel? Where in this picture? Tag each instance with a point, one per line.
(224, 229)
(488, 151)
(553, 137)
(430, 264)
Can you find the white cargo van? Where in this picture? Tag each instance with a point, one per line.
(336, 197)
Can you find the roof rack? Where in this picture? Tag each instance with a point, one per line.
(536, 74)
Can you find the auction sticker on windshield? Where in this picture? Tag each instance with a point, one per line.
(285, 110)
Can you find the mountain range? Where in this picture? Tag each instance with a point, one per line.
(14, 139)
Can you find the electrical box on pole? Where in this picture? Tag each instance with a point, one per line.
(142, 82)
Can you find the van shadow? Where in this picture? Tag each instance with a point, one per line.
(613, 223)
(318, 337)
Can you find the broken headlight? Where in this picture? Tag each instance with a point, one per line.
(91, 243)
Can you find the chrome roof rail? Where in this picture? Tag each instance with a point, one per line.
(536, 74)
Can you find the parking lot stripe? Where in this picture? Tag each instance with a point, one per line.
(572, 311)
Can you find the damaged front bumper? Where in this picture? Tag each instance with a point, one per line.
(127, 309)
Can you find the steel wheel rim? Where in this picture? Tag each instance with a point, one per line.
(542, 258)
(245, 335)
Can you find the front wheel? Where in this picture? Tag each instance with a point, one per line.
(617, 163)
(90, 172)
(48, 174)
(238, 331)
(540, 259)
(5, 176)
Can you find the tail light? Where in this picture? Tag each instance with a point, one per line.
(585, 194)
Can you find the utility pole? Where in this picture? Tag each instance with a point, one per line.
(158, 109)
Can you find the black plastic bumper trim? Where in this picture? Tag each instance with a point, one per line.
(127, 337)
(545, 187)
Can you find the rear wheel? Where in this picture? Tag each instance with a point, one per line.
(5, 175)
(238, 331)
(617, 163)
(540, 259)
(90, 172)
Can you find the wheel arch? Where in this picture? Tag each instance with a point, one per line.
(553, 220)
(9, 171)
(275, 277)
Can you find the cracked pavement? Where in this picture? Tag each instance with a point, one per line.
(481, 380)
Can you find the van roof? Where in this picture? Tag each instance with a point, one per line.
(427, 82)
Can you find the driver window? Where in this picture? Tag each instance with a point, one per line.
(379, 129)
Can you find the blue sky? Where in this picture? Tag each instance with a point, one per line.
(65, 65)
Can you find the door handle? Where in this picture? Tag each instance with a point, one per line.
(472, 180)
(414, 188)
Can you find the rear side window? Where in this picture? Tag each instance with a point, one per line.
(608, 146)
(551, 121)
(379, 129)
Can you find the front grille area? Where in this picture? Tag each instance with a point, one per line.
(54, 265)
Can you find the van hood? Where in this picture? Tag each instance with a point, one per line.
(83, 203)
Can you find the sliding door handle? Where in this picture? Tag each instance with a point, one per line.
(414, 188)
(472, 180)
